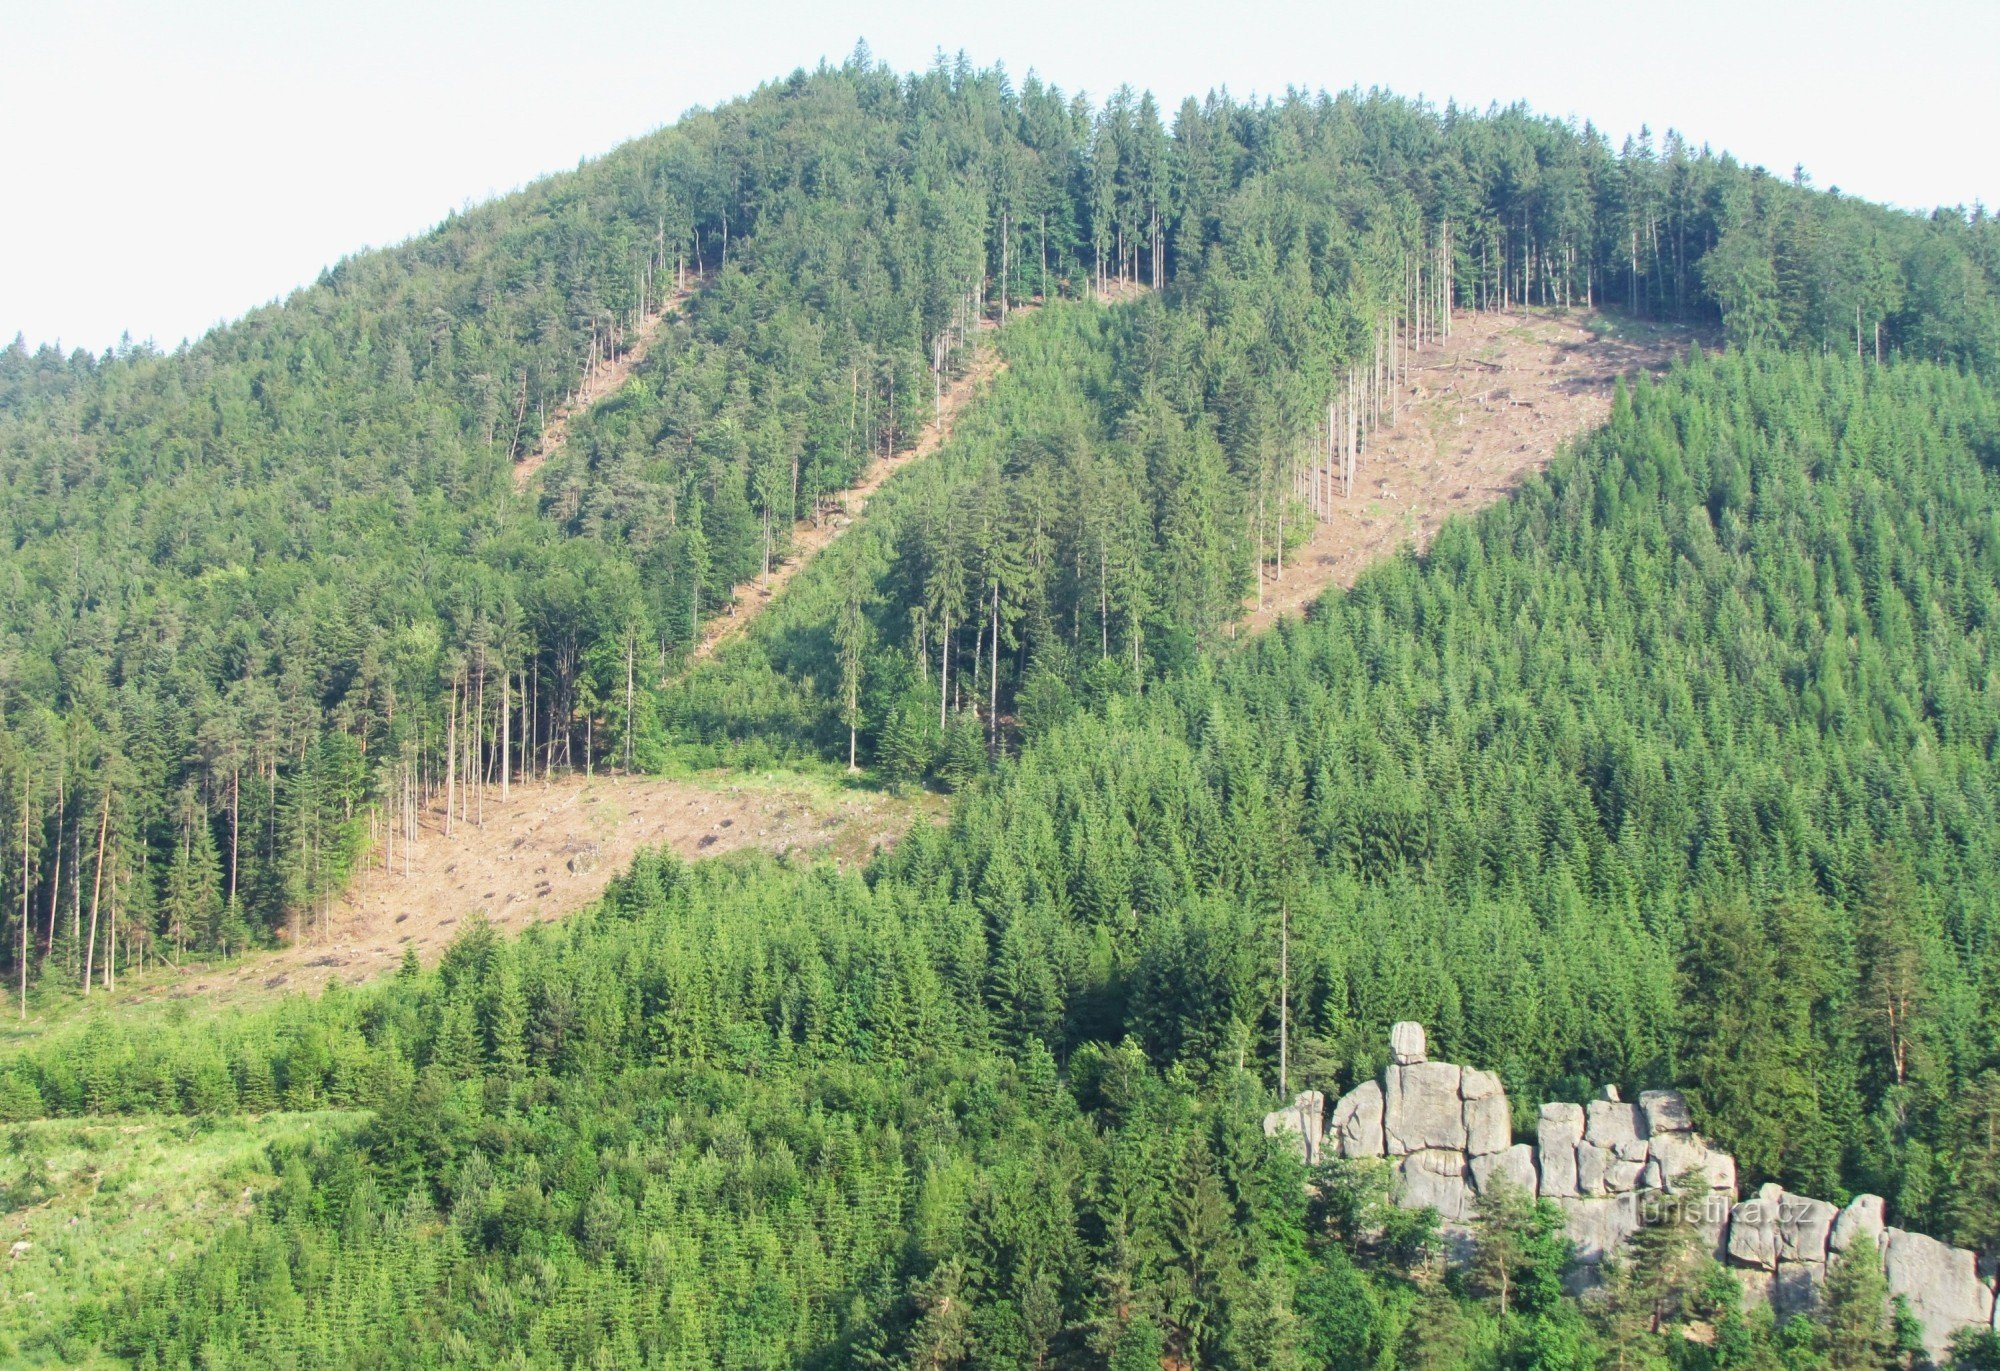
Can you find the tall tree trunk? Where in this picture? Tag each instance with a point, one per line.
(111, 936)
(451, 758)
(96, 890)
(506, 740)
(944, 668)
(24, 892)
(1284, 1002)
(55, 885)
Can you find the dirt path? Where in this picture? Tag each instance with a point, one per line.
(1484, 410)
(604, 380)
(548, 853)
(810, 539)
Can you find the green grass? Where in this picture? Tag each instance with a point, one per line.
(105, 1205)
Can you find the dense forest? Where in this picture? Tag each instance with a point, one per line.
(1677, 768)
(1726, 671)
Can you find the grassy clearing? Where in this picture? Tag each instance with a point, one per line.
(102, 1205)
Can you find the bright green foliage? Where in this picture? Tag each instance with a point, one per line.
(1677, 768)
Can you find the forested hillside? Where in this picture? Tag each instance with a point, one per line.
(264, 595)
(1677, 768)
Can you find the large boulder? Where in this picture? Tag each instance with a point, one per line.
(1557, 1133)
(1611, 1122)
(1421, 1109)
(1753, 1229)
(1515, 1164)
(1489, 1127)
(1434, 1178)
(1592, 1165)
(1621, 1176)
(1301, 1120)
(1357, 1121)
(1803, 1226)
(1665, 1111)
(1862, 1218)
(1682, 1160)
(1941, 1283)
(1407, 1046)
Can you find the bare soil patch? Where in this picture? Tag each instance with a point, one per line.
(549, 852)
(1484, 410)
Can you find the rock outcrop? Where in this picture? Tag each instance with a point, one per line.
(1447, 1132)
(1300, 1120)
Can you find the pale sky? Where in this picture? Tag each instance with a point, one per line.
(170, 164)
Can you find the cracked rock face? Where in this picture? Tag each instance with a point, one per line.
(1447, 1132)
(1489, 1125)
(1515, 1164)
(1434, 1178)
(1665, 1111)
(1357, 1121)
(1941, 1283)
(1861, 1219)
(1609, 1123)
(1557, 1133)
(1753, 1229)
(1422, 1109)
(1803, 1226)
(1300, 1121)
(1407, 1046)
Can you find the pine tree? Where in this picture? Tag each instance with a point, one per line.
(1854, 1329)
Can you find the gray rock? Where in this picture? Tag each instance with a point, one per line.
(1803, 1225)
(1357, 1121)
(1623, 1176)
(1557, 1133)
(1489, 1125)
(1677, 1155)
(1862, 1217)
(1608, 1123)
(1756, 1284)
(1795, 1288)
(1941, 1283)
(1634, 1150)
(1434, 1178)
(1474, 1084)
(1560, 1124)
(1665, 1111)
(1753, 1229)
(1599, 1227)
(1300, 1120)
(1591, 1161)
(1421, 1108)
(1608, 1092)
(1516, 1164)
(1407, 1046)
(1722, 1173)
